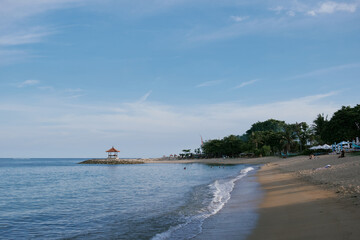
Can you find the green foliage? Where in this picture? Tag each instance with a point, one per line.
(265, 150)
(319, 128)
(304, 133)
(288, 136)
(275, 136)
(344, 125)
(228, 146)
(268, 125)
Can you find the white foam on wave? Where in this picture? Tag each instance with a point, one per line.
(221, 194)
(222, 191)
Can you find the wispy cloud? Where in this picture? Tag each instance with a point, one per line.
(74, 90)
(11, 56)
(291, 8)
(28, 83)
(238, 18)
(291, 13)
(31, 36)
(128, 123)
(277, 9)
(209, 83)
(324, 71)
(243, 84)
(16, 27)
(46, 88)
(332, 7)
(145, 97)
(14, 11)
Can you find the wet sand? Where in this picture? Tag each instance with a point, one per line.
(239, 216)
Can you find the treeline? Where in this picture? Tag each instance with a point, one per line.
(273, 137)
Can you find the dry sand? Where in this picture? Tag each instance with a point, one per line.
(296, 209)
(304, 200)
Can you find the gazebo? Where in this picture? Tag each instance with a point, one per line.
(112, 153)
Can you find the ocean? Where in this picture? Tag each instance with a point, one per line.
(60, 199)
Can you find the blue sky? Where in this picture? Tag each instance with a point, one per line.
(150, 76)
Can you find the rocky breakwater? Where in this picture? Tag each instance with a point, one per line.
(112, 161)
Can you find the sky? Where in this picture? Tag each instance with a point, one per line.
(150, 77)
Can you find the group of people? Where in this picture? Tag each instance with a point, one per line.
(342, 155)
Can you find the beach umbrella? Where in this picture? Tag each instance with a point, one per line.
(325, 146)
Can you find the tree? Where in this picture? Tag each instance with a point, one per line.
(319, 127)
(257, 138)
(232, 146)
(304, 134)
(289, 135)
(344, 125)
(274, 140)
(212, 148)
(268, 125)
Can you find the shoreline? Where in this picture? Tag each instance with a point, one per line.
(294, 208)
(302, 198)
(343, 176)
(240, 209)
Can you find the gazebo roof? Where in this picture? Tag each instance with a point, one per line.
(112, 150)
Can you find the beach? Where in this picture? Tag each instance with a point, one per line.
(302, 198)
(242, 198)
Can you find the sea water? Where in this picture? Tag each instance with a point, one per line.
(60, 199)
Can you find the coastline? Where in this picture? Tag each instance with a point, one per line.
(294, 208)
(238, 218)
(302, 198)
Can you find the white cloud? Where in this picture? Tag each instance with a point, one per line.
(238, 18)
(291, 8)
(311, 13)
(145, 97)
(325, 71)
(17, 27)
(143, 128)
(246, 83)
(13, 11)
(32, 36)
(255, 26)
(332, 7)
(277, 9)
(74, 90)
(291, 13)
(28, 83)
(209, 83)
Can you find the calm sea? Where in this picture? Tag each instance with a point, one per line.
(60, 199)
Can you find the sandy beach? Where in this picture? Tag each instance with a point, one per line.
(303, 198)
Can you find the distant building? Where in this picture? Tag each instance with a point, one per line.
(112, 153)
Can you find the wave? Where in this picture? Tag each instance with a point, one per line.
(193, 218)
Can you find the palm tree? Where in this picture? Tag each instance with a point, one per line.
(289, 135)
(304, 133)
